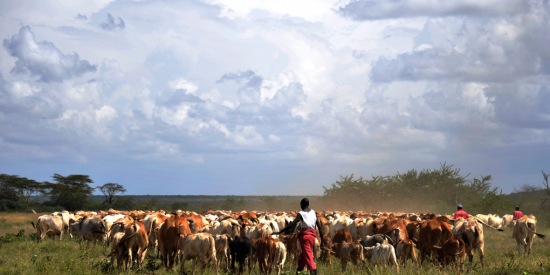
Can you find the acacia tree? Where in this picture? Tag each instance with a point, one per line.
(71, 191)
(109, 190)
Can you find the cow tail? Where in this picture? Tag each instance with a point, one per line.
(135, 228)
(33, 225)
(212, 247)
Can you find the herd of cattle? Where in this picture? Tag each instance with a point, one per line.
(223, 236)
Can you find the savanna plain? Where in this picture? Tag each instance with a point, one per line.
(21, 254)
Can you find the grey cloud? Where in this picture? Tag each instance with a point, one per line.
(81, 17)
(250, 91)
(180, 96)
(112, 25)
(291, 95)
(378, 9)
(498, 50)
(246, 75)
(138, 114)
(43, 59)
(521, 106)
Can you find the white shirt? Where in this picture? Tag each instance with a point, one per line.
(308, 219)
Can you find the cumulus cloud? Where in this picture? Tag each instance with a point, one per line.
(497, 50)
(43, 59)
(112, 24)
(376, 9)
(461, 82)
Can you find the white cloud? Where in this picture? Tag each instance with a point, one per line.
(105, 113)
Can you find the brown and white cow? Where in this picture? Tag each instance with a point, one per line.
(134, 244)
(471, 232)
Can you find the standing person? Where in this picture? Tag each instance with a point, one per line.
(517, 214)
(461, 213)
(308, 220)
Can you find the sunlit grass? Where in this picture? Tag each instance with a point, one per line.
(13, 222)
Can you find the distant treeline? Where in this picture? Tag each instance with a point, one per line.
(429, 190)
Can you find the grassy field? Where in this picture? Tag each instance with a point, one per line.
(23, 255)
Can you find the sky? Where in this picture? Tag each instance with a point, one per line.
(282, 97)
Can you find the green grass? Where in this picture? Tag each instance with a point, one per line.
(25, 256)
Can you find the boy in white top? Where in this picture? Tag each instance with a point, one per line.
(308, 220)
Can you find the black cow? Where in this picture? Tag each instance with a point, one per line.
(240, 248)
(372, 240)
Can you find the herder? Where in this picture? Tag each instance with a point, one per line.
(307, 235)
(461, 213)
(517, 214)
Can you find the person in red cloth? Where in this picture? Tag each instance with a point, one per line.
(307, 235)
(517, 214)
(461, 213)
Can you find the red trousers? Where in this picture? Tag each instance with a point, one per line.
(307, 241)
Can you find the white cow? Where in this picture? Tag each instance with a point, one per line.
(381, 254)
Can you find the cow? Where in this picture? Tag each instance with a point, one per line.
(433, 234)
(292, 246)
(371, 241)
(152, 225)
(168, 236)
(240, 249)
(342, 223)
(91, 230)
(364, 228)
(222, 248)
(508, 221)
(404, 250)
(229, 226)
(413, 230)
(65, 216)
(48, 226)
(342, 235)
(134, 244)
(381, 254)
(471, 232)
(395, 229)
(524, 232)
(264, 248)
(197, 246)
(325, 253)
(279, 257)
(495, 221)
(117, 251)
(347, 251)
(452, 250)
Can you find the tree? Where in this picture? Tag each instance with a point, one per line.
(109, 190)
(546, 189)
(71, 191)
(27, 187)
(7, 187)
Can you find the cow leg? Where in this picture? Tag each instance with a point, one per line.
(226, 260)
(470, 252)
(141, 257)
(203, 262)
(183, 259)
(129, 262)
(481, 253)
